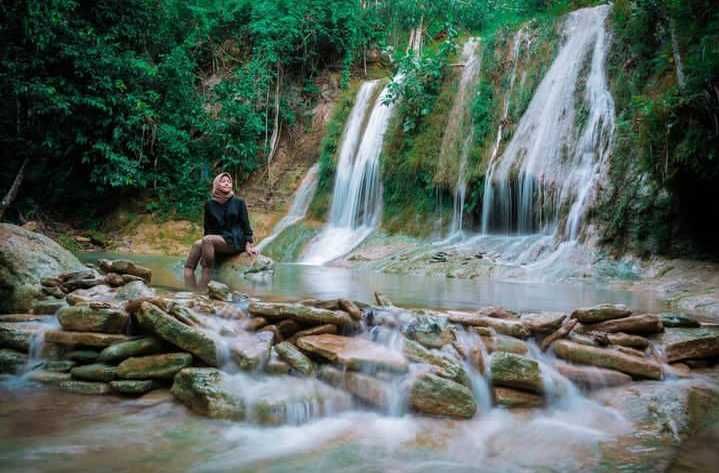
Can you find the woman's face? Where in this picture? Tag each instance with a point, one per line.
(225, 184)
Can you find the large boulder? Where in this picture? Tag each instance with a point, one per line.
(25, 258)
(433, 395)
(353, 352)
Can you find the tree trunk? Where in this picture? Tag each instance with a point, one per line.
(14, 188)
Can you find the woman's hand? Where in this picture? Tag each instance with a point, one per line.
(251, 250)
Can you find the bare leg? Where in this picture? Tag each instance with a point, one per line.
(211, 244)
(191, 264)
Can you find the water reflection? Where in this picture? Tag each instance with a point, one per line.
(296, 281)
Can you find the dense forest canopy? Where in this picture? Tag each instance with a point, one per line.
(107, 100)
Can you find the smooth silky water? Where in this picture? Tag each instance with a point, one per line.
(43, 429)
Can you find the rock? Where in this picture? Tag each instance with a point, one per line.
(543, 322)
(141, 346)
(600, 313)
(514, 371)
(514, 398)
(94, 372)
(319, 330)
(245, 266)
(122, 266)
(353, 352)
(255, 323)
(11, 361)
(190, 339)
(565, 329)
(506, 344)
(432, 332)
(163, 366)
(59, 366)
(382, 300)
(82, 280)
(139, 386)
(635, 324)
(299, 313)
(351, 308)
(274, 331)
(626, 340)
(47, 306)
(25, 259)
(607, 358)
(497, 312)
(82, 356)
(678, 321)
(19, 335)
(90, 339)
(202, 390)
(5, 318)
(433, 395)
(446, 366)
(134, 290)
(48, 377)
(101, 293)
(84, 387)
(591, 377)
(86, 318)
(366, 388)
(275, 365)
(270, 400)
(287, 328)
(512, 328)
(295, 358)
(218, 291)
(689, 343)
(251, 351)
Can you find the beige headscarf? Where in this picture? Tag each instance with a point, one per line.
(217, 194)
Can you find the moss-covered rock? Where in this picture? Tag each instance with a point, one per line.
(84, 387)
(87, 318)
(94, 372)
(295, 358)
(11, 361)
(154, 366)
(18, 335)
(134, 386)
(202, 390)
(433, 395)
(141, 346)
(515, 371)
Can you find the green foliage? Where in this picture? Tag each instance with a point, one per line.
(668, 128)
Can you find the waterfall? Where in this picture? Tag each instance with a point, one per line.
(300, 203)
(547, 177)
(357, 196)
(458, 137)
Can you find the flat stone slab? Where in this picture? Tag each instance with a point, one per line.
(251, 351)
(140, 386)
(513, 328)
(295, 358)
(90, 339)
(353, 352)
(86, 318)
(154, 366)
(19, 335)
(543, 322)
(94, 372)
(601, 312)
(689, 343)
(608, 358)
(11, 361)
(299, 313)
(641, 324)
(514, 371)
(364, 387)
(48, 377)
(85, 387)
(592, 377)
(138, 347)
(514, 398)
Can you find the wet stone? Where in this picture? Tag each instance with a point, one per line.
(86, 318)
(353, 352)
(514, 398)
(60, 366)
(48, 377)
(689, 343)
(94, 372)
(154, 366)
(85, 387)
(600, 313)
(19, 335)
(12, 361)
(82, 356)
(134, 386)
(91, 339)
(436, 396)
(219, 291)
(251, 351)
(123, 350)
(514, 371)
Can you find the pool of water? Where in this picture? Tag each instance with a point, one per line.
(297, 281)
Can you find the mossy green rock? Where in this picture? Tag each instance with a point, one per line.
(446, 366)
(85, 387)
(433, 395)
(163, 366)
(140, 386)
(94, 372)
(85, 318)
(514, 371)
(48, 377)
(82, 356)
(168, 328)
(11, 361)
(514, 398)
(295, 358)
(18, 335)
(202, 390)
(124, 350)
(25, 258)
(60, 366)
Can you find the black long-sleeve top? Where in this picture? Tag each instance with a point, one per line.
(230, 220)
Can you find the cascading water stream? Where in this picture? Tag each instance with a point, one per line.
(546, 179)
(458, 137)
(357, 195)
(300, 205)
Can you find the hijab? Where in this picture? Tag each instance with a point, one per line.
(217, 194)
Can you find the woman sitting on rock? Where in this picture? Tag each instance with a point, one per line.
(227, 231)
